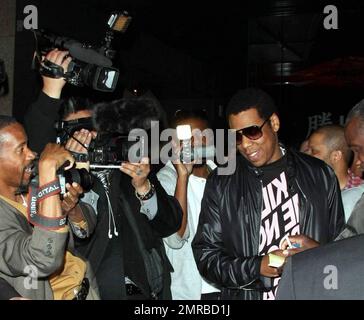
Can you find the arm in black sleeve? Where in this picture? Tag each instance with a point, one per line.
(39, 121)
(212, 257)
(169, 215)
(336, 209)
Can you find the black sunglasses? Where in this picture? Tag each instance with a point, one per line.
(252, 132)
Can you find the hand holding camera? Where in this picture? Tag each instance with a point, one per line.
(183, 169)
(71, 198)
(53, 86)
(80, 141)
(53, 158)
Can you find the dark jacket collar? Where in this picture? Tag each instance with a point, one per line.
(291, 163)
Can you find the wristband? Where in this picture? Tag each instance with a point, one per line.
(50, 189)
(147, 195)
(37, 219)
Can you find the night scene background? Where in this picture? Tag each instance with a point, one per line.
(197, 54)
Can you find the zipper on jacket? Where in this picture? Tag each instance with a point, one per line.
(299, 187)
(261, 208)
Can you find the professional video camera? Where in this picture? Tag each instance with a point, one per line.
(90, 66)
(113, 122)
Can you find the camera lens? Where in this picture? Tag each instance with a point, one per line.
(80, 176)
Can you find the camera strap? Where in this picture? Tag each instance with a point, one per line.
(50, 189)
(51, 70)
(39, 194)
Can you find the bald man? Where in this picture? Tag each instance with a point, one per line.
(328, 143)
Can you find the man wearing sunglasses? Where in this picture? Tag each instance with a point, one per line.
(274, 193)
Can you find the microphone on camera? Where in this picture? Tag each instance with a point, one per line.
(76, 49)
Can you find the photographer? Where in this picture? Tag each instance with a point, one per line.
(33, 255)
(186, 181)
(123, 255)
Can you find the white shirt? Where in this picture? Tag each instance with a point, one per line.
(187, 283)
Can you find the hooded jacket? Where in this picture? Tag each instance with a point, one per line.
(226, 245)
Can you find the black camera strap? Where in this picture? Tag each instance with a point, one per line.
(51, 70)
(46, 67)
(50, 189)
(38, 194)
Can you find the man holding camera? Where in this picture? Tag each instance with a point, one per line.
(34, 234)
(186, 181)
(131, 218)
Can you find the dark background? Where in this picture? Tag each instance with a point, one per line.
(198, 54)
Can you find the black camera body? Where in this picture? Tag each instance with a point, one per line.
(109, 148)
(99, 78)
(122, 128)
(80, 176)
(90, 66)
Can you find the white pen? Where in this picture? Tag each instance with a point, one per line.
(290, 246)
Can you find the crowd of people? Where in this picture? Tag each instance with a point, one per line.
(182, 231)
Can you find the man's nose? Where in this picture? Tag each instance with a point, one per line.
(32, 155)
(246, 142)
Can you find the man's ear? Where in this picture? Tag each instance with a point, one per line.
(274, 122)
(336, 156)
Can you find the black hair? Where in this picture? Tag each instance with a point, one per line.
(74, 104)
(123, 115)
(184, 114)
(251, 98)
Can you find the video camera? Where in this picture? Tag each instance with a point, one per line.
(90, 66)
(113, 122)
(108, 149)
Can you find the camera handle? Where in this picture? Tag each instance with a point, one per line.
(51, 70)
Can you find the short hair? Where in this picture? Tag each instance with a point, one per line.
(5, 121)
(334, 139)
(184, 114)
(356, 112)
(252, 98)
(73, 105)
